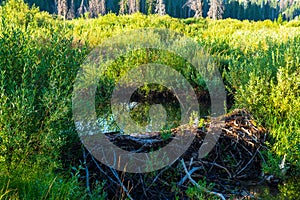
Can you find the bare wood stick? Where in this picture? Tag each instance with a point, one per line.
(246, 149)
(143, 186)
(246, 131)
(248, 162)
(198, 186)
(155, 179)
(220, 166)
(191, 162)
(228, 131)
(120, 182)
(262, 157)
(190, 173)
(87, 178)
(101, 170)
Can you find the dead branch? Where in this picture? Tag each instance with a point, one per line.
(121, 183)
(198, 186)
(87, 178)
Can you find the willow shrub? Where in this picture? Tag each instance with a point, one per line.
(272, 94)
(39, 63)
(36, 82)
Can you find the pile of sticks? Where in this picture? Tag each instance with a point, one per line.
(234, 164)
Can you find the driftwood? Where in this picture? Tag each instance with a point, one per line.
(230, 168)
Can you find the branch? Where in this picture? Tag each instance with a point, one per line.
(248, 162)
(198, 186)
(220, 166)
(189, 174)
(86, 171)
(101, 170)
(120, 182)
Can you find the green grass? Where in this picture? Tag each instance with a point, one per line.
(34, 183)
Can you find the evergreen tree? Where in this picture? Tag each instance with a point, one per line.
(82, 8)
(150, 5)
(216, 9)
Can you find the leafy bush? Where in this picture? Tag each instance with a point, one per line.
(37, 75)
(274, 99)
(40, 56)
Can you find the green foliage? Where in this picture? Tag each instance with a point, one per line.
(34, 183)
(166, 135)
(293, 23)
(36, 84)
(40, 56)
(274, 98)
(290, 190)
(194, 192)
(37, 75)
(280, 19)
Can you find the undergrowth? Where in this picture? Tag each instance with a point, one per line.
(40, 57)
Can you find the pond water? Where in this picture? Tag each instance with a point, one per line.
(144, 117)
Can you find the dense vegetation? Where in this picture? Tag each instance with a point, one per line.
(40, 57)
(237, 9)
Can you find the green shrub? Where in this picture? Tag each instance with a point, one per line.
(40, 56)
(36, 76)
(275, 101)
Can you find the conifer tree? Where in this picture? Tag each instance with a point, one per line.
(123, 7)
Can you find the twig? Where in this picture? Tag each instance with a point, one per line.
(262, 157)
(228, 131)
(248, 162)
(246, 149)
(190, 173)
(143, 186)
(198, 186)
(101, 170)
(246, 131)
(220, 166)
(191, 162)
(87, 178)
(120, 182)
(155, 179)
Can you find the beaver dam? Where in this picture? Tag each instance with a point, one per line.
(233, 169)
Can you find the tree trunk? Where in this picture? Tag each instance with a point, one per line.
(160, 7)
